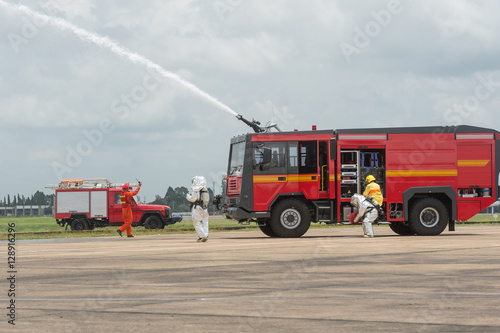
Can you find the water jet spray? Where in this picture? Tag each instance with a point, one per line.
(114, 47)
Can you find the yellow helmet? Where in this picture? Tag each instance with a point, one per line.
(369, 179)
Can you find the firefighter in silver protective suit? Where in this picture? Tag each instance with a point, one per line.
(367, 212)
(199, 199)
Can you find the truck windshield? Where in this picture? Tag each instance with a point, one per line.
(237, 158)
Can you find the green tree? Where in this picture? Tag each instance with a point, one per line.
(181, 204)
(38, 198)
(170, 195)
(158, 201)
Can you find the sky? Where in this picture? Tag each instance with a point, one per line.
(74, 109)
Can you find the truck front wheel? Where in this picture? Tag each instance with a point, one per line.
(153, 222)
(80, 224)
(428, 217)
(290, 218)
(266, 229)
(401, 228)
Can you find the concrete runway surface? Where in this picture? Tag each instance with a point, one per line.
(330, 280)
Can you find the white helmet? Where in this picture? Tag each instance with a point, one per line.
(198, 183)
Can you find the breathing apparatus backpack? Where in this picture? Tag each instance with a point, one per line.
(203, 201)
(375, 204)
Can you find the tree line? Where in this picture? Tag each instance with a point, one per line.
(176, 199)
(37, 199)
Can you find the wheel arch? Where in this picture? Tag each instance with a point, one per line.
(445, 194)
(145, 216)
(293, 195)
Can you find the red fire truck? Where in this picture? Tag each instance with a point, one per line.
(85, 204)
(430, 176)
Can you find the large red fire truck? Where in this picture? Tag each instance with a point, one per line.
(430, 176)
(85, 204)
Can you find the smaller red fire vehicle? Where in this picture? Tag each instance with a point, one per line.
(84, 204)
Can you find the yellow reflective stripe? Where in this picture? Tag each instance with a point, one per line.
(422, 173)
(266, 179)
(472, 163)
(302, 178)
(284, 178)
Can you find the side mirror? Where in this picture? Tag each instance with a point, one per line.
(266, 160)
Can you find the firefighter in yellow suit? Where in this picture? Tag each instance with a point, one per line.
(373, 190)
(126, 199)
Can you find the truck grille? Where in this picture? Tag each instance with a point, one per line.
(232, 186)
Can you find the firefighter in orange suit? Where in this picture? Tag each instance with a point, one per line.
(373, 190)
(126, 198)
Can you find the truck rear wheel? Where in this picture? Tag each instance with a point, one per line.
(80, 224)
(428, 217)
(153, 222)
(290, 218)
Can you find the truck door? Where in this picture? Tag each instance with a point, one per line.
(309, 180)
(475, 171)
(115, 207)
(474, 166)
(269, 177)
(324, 172)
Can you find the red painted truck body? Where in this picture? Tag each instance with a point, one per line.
(86, 204)
(430, 176)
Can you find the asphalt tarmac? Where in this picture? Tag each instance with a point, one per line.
(330, 280)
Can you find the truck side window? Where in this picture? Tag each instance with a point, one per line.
(118, 201)
(308, 157)
(278, 158)
(293, 158)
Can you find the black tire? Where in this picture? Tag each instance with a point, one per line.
(80, 224)
(290, 218)
(267, 230)
(153, 222)
(428, 217)
(401, 228)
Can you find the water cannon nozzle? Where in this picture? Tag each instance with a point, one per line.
(254, 124)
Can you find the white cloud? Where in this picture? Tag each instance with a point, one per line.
(269, 60)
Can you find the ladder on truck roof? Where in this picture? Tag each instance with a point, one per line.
(90, 183)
